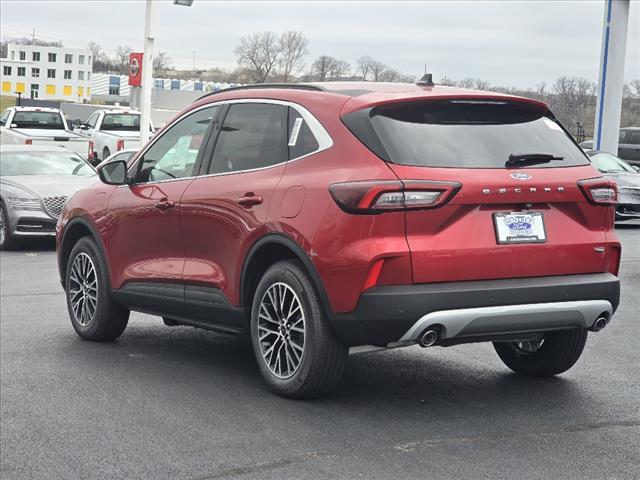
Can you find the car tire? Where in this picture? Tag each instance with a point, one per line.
(558, 352)
(105, 154)
(94, 314)
(7, 242)
(314, 359)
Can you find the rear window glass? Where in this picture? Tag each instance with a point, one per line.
(46, 120)
(121, 121)
(301, 139)
(471, 134)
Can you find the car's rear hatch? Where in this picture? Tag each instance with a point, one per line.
(496, 218)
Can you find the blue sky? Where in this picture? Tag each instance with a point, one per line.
(510, 43)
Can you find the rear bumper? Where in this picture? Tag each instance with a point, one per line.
(500, 308)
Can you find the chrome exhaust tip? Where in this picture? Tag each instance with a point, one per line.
(428, 338)
(599, 324)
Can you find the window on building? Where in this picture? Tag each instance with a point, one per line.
(175, 84)
(6, 70)
(22, 71)
(35, 72)
(89, 60)
(67, 90)
(51, 89)
(35, 88)
(81, 59)
(67, 74)
(80, 92)
(52, 57)
(88, 75)
(13, 54)
(35, 56)
(198, 87)
(19, 87)
(158, 83)
(6, 86)
(80, 75)
(68, 58)
(114, 85)
(23, 55)
(51, 73)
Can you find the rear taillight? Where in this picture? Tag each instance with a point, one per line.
(120, 145)
(28, 141)
(378, 196)
(90, 149)
(599, 191)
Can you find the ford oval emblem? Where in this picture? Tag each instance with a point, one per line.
(520, 176)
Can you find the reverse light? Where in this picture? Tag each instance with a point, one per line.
(599, 191)
(373, 196)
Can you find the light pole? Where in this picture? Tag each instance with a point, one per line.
(147, 68)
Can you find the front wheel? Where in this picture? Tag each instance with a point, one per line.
(552, 354)
(297, 352)
(94, 314)
(6, 240)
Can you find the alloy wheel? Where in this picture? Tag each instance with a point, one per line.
(3, 227)
(281, 330)
(83, 289)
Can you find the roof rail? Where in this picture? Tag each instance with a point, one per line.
(257, 86)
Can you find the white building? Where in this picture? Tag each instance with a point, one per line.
(49, 73)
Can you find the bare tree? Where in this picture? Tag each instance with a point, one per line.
(447, 81)
(322, 67)
(634, 88)
(121, 59)
(364, 65)
(293, 48)
(259, 53)
(162, 62)
(390, 75)
(338, 69)
(376, 69)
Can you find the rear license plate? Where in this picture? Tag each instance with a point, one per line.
(519, 227)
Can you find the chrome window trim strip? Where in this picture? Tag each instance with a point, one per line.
(324, 139)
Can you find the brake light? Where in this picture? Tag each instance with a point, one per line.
(90, 149)
(120, 145)
(28, 141)
(378, 196)
(599, 191)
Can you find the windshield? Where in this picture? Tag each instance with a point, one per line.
(472, 134)
(46, 120)
(43, 163)
(121, 122)
(607, 163)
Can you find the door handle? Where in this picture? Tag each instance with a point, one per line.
(164, 204)
(249, 200)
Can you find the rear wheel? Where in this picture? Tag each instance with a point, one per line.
(7, 242)
(554, 353)
(94, 314)
(297, 352)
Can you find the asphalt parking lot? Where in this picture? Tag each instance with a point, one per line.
(180, 403)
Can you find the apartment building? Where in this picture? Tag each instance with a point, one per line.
(48, 73)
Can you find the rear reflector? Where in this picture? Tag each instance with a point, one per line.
(599, 191)
(614, 259)
(373, 196)
(374, 274)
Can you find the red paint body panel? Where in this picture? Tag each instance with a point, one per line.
(206, 237)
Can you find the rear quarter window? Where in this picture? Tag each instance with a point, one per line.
(468, 134)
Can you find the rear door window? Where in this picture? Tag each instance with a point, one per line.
(634, 137)
(301, 139)
(471, 134)
(252, 136)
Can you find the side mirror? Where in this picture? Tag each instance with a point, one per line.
(14, 125)
(637, 169)
(114, 173)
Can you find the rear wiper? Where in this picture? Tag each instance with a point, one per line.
(520, 159)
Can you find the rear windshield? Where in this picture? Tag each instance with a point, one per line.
(121, 122)
(46, 120)
(471, 134)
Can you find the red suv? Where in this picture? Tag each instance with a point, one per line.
(318, 217)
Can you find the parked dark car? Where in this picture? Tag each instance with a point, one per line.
(318, 217)
(627, 177)
(628, 145)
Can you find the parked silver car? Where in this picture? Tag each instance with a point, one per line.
(35, 182)
(627, 177)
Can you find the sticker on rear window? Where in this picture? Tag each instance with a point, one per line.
(293, 139)
(551, 124)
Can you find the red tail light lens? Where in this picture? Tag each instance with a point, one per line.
(28, 141)
(599, 191)
(120, 145)
(372, 196)
(90, 149)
